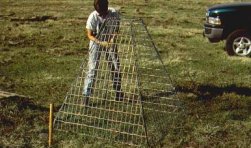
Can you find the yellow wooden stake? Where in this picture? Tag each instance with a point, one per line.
(50, 124)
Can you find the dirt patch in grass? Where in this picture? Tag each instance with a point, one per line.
(34, 18)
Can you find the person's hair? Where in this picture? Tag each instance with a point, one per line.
(101, 6)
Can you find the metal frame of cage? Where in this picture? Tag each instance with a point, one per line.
(148, 104)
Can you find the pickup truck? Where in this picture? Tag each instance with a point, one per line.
(230, 22)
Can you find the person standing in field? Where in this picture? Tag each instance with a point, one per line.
(104, 22)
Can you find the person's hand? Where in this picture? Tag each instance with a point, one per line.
(104, 44)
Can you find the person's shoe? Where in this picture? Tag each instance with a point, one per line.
(119, 96)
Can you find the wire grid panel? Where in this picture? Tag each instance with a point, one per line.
(131, 94)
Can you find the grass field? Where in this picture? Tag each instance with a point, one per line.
(43, 43)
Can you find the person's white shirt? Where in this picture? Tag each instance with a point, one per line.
(94, 22)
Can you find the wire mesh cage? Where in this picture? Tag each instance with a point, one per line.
(123, 92)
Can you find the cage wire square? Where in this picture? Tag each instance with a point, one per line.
(132, 98)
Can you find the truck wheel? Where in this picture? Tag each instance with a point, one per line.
(239, 43)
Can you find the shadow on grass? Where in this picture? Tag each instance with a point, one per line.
(211, 91)
(22, 103)
(19, 114)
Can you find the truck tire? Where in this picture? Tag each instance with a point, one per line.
(239, 43)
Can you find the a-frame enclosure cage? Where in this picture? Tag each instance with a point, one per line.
(122, 92)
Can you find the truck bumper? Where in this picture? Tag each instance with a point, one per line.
(213, 34)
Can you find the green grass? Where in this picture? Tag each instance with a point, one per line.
(41, 59)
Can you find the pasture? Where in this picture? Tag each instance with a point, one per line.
(43, 43)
